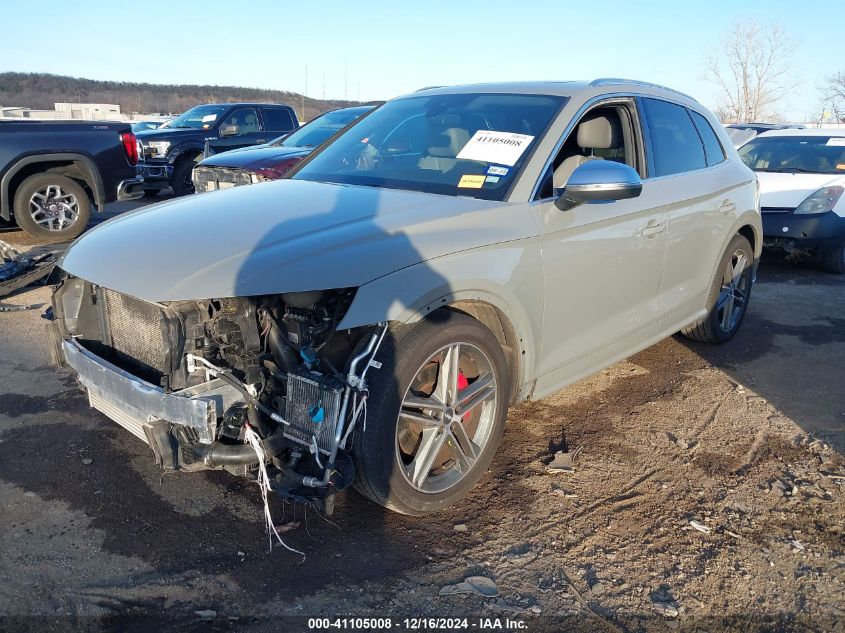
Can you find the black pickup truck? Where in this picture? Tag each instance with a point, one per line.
(168, 154)
(52, 172)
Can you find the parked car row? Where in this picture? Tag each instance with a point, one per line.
(369, 318)
(168, 155)
(272, 160)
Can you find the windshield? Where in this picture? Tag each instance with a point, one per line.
(455, 144)
(790, 154)
(199, 117)
(320, 129)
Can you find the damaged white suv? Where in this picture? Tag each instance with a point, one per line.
(369, 319)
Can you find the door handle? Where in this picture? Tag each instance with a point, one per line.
(653, 229)
(727, 207)
(261, 140)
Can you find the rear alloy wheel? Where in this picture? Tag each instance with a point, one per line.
(729, 295)
(51, 207)
(437, 411)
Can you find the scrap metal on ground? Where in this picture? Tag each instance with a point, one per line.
(17, 271)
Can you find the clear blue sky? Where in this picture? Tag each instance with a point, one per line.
(379, 49)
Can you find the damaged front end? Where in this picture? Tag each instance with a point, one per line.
(198, 381)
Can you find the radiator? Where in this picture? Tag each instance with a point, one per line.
(143, 337)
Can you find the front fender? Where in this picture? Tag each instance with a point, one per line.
(188, 146)
(507, 276)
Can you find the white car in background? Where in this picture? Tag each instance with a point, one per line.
(802, 178)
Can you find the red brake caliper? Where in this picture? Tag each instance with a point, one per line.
(463, 383)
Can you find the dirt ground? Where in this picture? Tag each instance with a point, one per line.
(745, 441)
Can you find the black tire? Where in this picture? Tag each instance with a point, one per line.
(46, 182)
(151, 193)
(374, 449)
(834, 261)
(710, 329)
(182, 183)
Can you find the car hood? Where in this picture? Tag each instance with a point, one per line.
(281, 236)
(255, 157)
(169, 133)
(788, 190)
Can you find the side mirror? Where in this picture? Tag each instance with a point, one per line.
(599, 181)
(229, 130)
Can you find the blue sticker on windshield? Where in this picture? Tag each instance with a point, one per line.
(495, 170)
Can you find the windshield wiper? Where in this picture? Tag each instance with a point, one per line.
(792, 170)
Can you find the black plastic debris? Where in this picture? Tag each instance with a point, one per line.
(17, 271)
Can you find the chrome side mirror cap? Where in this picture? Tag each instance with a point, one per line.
(599, 181)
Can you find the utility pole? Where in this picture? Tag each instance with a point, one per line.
(303, 94)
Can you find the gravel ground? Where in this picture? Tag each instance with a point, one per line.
(707, 493)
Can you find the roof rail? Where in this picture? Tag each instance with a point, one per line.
(604, 81)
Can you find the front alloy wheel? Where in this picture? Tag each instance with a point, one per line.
(446, 418)
(436, 413)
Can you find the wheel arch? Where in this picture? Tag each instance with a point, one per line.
(494, 305)
(185, 151)
(76, 166)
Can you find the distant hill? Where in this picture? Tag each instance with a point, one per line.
(40, 91)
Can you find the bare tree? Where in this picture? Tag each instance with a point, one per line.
(833, 96)
(751, 67)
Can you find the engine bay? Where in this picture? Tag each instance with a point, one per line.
(298, 384)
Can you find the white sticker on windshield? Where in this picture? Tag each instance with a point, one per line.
(209, 117)
(490, 146)
(837, 140)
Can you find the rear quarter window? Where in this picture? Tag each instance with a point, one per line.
(713, 150)
(278, 120)
(675, 144)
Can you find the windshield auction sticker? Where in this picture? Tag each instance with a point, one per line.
(502, 148)
(469, 181)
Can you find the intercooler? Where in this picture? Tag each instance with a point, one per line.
(142, 337)
(312, 410)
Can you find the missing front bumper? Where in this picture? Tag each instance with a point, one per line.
(135, 404)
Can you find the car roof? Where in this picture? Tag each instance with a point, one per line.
(773, 126)
(805, 132)
(563, 88)
(243, 103)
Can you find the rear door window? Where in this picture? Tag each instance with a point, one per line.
(713, 149)
(278, 120)
(675, 144)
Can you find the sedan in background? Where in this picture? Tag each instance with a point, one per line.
(143, 126)
(802, 177)
(273, 160)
